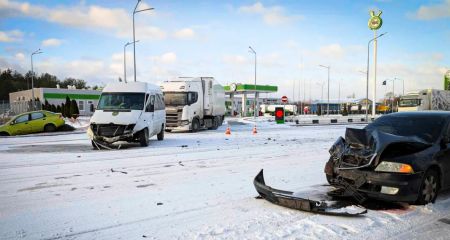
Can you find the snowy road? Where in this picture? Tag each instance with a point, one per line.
(189, 186)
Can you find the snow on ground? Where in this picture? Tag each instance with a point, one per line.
(189, 186)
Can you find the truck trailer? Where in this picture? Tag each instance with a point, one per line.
(193, 103)
(428, 99)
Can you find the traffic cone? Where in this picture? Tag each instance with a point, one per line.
(254, 130)
(228, 131)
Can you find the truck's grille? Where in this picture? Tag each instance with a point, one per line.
(110, 130)
(173, 117)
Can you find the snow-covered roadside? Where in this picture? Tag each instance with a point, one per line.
(189, 186)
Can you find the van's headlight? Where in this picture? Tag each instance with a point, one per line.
(394, 167)
(184, 122)
(90, 133)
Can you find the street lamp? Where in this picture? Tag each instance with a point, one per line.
(255, 105)
(32, 78)
(125, 59)
(328, 93)
(403, 84)
(367, 77)
(134, 36)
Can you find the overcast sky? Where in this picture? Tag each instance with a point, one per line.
(85, 39)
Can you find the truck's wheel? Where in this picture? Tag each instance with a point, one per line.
(49, 128)
(215, 124)
(429, 188)
(143, 138)
(160, 135)
(195, 125)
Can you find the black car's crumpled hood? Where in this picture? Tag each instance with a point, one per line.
(360, 143)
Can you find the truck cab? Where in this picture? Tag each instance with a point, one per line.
(193, 103)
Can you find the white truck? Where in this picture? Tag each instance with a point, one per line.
(193, 103)
(132, 112)
(428, 99)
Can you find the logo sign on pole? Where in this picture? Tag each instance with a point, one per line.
(447, 80)
(284, 99)
(279, 115)
(375, 20)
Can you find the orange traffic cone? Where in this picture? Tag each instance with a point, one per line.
(228, 131)
(254, 130)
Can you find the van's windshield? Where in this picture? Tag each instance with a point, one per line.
(121, 101)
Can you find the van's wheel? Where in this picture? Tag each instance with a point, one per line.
(195, 125)
(429, 188)
(49, 128)
(143, 137)
(160, 135)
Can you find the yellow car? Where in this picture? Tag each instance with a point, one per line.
(32, 122)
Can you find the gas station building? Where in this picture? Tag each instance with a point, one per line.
(246, 104)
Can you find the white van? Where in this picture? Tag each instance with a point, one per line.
(132, 112)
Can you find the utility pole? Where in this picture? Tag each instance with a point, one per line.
(125, 59)
(328, 93)
(255, 105)
(134, 35)
(32, 78)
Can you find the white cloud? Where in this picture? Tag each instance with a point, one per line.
(235, 59)
(435, 11)
(117, 20)
(20, 56)
(271, 15)
(185, 33)
(11, 36)
(51, 42)
(333, 51)
(166, 58)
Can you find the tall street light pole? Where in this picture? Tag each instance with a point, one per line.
(367, 78)
(255, 106)
(125, 59)
(134, 35)
(32, 78)
(328, 92)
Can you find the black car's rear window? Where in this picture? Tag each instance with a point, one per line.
(426, 127)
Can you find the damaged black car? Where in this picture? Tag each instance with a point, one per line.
(401, 157)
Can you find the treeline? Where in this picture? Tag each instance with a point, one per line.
(68, 109)
(13, 81)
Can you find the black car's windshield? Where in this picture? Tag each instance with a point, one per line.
(426, 127)
(121, 101)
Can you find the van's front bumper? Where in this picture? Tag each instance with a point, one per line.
(374, 184)
(126, 134)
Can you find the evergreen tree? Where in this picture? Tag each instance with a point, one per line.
(67, 107)
(57, 109)
(74, 111)
(63, 109)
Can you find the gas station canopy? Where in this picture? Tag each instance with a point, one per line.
(249, 88)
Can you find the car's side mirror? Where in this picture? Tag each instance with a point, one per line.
(444, 141)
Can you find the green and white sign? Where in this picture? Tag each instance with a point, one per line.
(375, 20)
(447, 81)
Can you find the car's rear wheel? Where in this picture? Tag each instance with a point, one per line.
(4, 134)
(49, 128)
(429, 188)
(143, 138)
